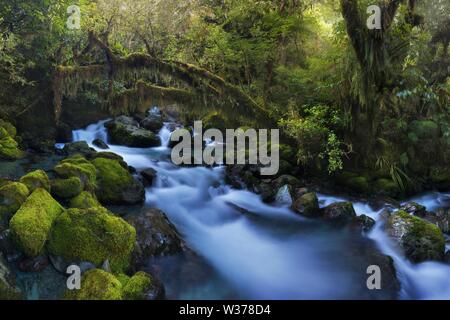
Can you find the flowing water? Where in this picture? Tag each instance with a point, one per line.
(260, 251)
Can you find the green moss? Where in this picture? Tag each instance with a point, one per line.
(12, 132)
(386, 187)
(440, 176)
(84, 200)
(9, 148)
(137, 287)
(358, 184)
(36, 179)
(93, 235)
(97, 284)
(31, 225)
(423, 241)
(67, 188)
(78, 166)
(112, 180)
(12, 195)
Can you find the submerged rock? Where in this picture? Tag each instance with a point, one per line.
(363, 222)
(420, 240)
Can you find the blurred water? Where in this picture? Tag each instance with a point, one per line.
(261, 251)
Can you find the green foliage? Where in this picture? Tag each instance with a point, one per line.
(313, 130)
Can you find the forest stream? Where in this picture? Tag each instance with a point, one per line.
(259, 251)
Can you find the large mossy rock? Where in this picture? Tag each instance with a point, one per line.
(84, 200)
(31, 225)
(420, 240)
(93, 235)
(156, 236)
(36, 179)
(440, 176)
(8, 288)
(9, 148)
(125, 131)
(12, 196)
(78, 166)
(115, 185)
(79, 147)
(67, 188)
(353, 182)
(97, 284)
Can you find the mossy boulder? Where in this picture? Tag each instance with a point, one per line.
(78, 148)
(131, 135)
(9, 148)
(67, 188)
(97, 284)
(12, 196)
(84, 200)
(31, 225)
(93, 235)
(137, 287)
(386, 187)
(78, 166)
(307, 205)
(36, 179)
(115, 185)
(420, 239)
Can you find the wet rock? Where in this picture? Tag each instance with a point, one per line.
(156, 236)
(307, 204)
(126, 131)
(7, 247)
(420, 239)
(284, 196)
(152, 123)
(414, 209)
(148, 175)
(80, 147)
(363, 222)
(63, 133)
(267, 192)
(99, 143)
(447, 257)
(8, 288)
(341, 212)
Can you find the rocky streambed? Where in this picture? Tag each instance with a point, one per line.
(142, 228)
